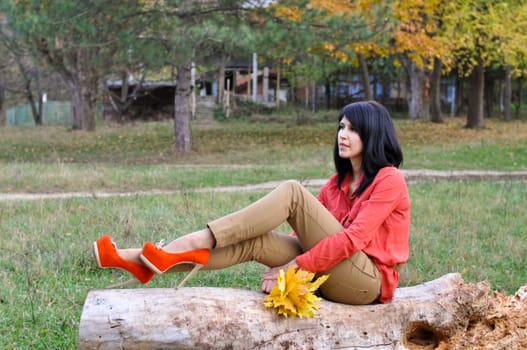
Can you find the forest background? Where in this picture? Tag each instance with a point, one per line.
(68, 49)
(64, 49)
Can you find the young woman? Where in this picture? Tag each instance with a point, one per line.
(356, 230)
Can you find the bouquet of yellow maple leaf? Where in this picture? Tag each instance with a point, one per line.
(293, 294)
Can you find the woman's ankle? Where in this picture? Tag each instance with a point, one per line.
(202, 239)
(130, 254)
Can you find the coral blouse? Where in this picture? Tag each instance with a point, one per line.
(376, 222)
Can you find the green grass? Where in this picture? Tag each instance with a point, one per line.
(46, 269)
(477, 228)
(141, 157)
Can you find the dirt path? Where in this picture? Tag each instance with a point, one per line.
(412, 176)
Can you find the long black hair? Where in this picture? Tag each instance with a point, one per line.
(380, 145)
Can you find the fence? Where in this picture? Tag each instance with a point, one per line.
(53, 112)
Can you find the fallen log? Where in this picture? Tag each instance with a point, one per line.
(418, 317)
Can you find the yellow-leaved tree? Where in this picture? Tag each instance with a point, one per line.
(486, 35)
(405, 29)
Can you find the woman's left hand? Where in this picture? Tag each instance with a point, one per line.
(270, 276)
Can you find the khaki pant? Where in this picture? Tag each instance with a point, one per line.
(247, 235)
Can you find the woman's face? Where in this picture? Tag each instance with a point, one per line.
(349, 142)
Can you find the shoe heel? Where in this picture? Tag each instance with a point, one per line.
(196, 268)
(160, 261)
(96, 255)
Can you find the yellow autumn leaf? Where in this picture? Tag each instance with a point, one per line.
(293, 294)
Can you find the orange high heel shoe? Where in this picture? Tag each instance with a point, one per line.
(160, 261)
(105, 252)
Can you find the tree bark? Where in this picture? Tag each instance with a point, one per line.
(419, 103)
(306, 94)
(475, 100)
(83, 102)
(435, 95)
(221, 80)
(519, 101)
(327, 93)
(83, 83)
(3, 117)
(418, 317)
(277, 91)
(25, 67)
(36, 106)
(365, 76)
(183, 136)
(507, 96)
(489, 95)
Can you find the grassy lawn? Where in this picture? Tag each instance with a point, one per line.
(141, 157)
(476, 228)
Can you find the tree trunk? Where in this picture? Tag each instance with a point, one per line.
(435, 95)
(327, 93)
(24, 66)
(292, 88)
(314, 97)
(277, 91)
(3, 117)
(123, 97)
(83, 101)
(76, 101)
(489, 95)
(418, 317)
(221, 80)
(84, 86)
(36, 106)
(386, 86)
(519, 102)
(306, 94)
(460, 96)
(365, 77)
(183, 136)
(507, 95)
(120, 101)
(419, 105)
(475, 102)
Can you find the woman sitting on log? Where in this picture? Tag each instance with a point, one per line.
(356, 230)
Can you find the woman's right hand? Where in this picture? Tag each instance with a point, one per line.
(270, 277)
